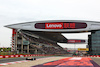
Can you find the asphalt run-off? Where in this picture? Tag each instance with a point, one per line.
(6, 60)
(70, 62)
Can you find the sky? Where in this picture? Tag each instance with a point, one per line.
(18, 11)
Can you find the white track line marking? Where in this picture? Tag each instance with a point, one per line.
(76, 58)
(2, 64)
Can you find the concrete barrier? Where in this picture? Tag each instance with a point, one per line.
(21, 55)
(12, 56)
(6, 56)
(16, 56)
(1, 56)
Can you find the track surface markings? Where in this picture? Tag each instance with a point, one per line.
(71, 62)
(7, 63)
(2, 64)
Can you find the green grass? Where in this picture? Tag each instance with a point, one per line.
(6, 53)
(10, 53)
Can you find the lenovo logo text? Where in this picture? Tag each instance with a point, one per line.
(54, 25)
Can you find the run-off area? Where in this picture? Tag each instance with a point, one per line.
(70, 62)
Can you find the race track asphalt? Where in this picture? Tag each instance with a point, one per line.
(5, 60)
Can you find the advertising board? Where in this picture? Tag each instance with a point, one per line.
(83, 49)
(61, 25)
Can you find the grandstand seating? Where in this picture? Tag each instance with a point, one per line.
(48, 50)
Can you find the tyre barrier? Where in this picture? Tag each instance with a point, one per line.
(16, 56)
(28, 55)
(1, 56)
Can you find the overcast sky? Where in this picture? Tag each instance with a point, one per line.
(17, 11)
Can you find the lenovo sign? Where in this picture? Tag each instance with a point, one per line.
(53, 25)
(61, 25)
(76, 41)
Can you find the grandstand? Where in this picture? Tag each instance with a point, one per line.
(34, 42)
(41, 37)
